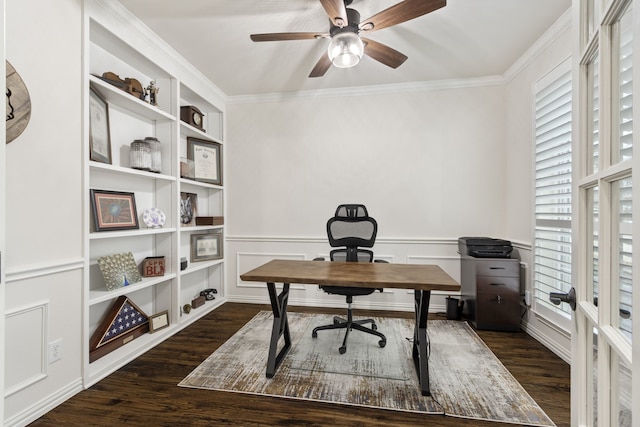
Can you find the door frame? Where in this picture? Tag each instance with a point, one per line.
(3, 204)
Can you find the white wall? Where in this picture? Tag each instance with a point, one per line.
(551, 50)
(44, 208)
(427, 162)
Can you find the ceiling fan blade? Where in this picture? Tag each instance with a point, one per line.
(400, 12)
(274, 37)
(321, 67)
(383, 53)
(336, 11)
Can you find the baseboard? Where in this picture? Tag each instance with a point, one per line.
(38, 409)
(548, 342)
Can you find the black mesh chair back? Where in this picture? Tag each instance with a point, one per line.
(351, 229)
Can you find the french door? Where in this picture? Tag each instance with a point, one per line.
(605, 380)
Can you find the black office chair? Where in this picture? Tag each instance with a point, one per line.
(351, 228)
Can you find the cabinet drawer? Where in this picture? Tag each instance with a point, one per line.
(498, 312)
(498, 284)
(494, 267)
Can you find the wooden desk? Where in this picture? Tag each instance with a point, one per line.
(421, 278)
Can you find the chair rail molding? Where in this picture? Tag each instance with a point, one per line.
(37, 270)
(323, 239)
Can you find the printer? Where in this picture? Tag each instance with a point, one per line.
(484, 247)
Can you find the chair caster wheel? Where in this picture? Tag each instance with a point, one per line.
(382, 343)
(374, 327)
(314, 334)
(342, 350)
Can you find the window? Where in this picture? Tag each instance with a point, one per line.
(622, 190)
(552, 234)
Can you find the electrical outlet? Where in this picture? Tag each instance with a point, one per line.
(55, 350)
(527, 298)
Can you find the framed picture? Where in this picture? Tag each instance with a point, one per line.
(113, 210)
(206, 247)
(188, 209)
(119, 270)
(99, 137)
(158, 321)
(207, 160)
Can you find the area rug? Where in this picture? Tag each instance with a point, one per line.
(466, 378)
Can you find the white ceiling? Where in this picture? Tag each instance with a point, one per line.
(465, 39)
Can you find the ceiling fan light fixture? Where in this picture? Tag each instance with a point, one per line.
(345, 50)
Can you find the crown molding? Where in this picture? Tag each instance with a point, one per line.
(369, 90)
(172, 61)
(562, 25)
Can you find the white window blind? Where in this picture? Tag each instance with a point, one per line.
(625, 69)
(625, 186)
(552, 234)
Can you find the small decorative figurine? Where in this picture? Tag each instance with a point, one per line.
(186, 210)
(153, 90)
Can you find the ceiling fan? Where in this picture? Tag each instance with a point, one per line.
(346, 46)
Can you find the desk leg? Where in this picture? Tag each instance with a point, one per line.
(280, 327)
(420, 340)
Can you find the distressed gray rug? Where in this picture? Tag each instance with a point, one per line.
(467, 380)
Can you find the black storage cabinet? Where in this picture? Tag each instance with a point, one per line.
(490, 288)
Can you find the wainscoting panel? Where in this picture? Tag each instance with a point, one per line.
(43, 304)
(28, 351)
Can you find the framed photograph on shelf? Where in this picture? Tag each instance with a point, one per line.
(119, 270)
(206, 247)
(99, 137)
(188, 209)
(113, 210)
(158, 321)
(207, 160)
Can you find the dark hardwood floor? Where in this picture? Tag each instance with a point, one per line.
(145, 392)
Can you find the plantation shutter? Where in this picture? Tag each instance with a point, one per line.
(625, 208)
(552, 233)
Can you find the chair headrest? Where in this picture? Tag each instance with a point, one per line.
(351, 211)
(352, 227)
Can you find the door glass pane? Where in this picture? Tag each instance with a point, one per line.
(621, 396)
(593, 255)
(622, 264)
(625, 90)
(593, 76)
